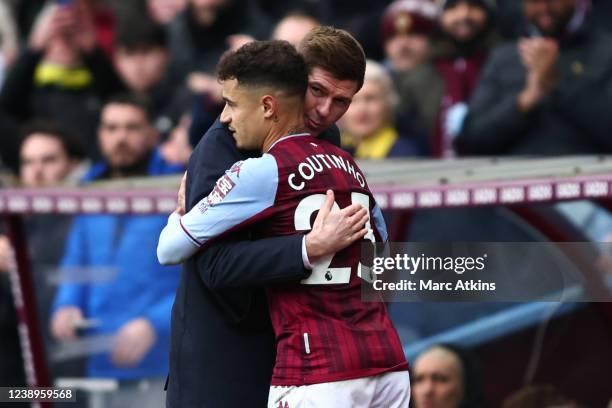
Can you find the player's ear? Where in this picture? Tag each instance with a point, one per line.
(269, 105)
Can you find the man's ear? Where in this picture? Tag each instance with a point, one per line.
(269, 105)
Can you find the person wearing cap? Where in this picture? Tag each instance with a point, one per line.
(407, 28)
(547, 94)
(467, 34)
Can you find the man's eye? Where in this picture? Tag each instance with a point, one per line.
(440, 378)
(316, 91)
(342, 103)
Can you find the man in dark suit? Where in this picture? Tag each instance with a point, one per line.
(222, 350)
(549, 93)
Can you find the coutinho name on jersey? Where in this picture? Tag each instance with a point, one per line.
(316, 163)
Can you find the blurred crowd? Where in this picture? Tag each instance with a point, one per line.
(445, 78)
(109, 89)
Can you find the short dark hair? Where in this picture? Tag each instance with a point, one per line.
(131, 99)
(335, 51)
(136, 33)
(70, 143)
(275, 64)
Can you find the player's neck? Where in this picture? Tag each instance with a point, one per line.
(289, 125)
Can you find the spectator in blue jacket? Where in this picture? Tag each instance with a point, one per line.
(135, 305)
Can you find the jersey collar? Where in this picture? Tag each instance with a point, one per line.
(287, 137)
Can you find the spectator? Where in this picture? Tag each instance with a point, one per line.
(548, 94)
(8, 39)
(293, 27)
(141, 54)
(407, 28)
(99, 14)
(142, 58)
(49, 156)
(446, 376)
(467, 36)
(61, 75)
(134, 307)
(510, 21)
(368, 124)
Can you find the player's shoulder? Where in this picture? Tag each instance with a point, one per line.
(253, 169)
(291, 149)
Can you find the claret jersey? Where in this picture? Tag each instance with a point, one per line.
(324, 331)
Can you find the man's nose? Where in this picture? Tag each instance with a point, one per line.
(324, 108)
(427, 387)
(121, 133)
(39, 173)
(225, 117)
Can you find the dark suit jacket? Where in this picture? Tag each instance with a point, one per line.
(573, 119)
(222, 350)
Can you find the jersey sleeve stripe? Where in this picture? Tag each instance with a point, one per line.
(191, 237)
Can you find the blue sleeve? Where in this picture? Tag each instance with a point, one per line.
(236, 260)
(73, 294)
(241, 195)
